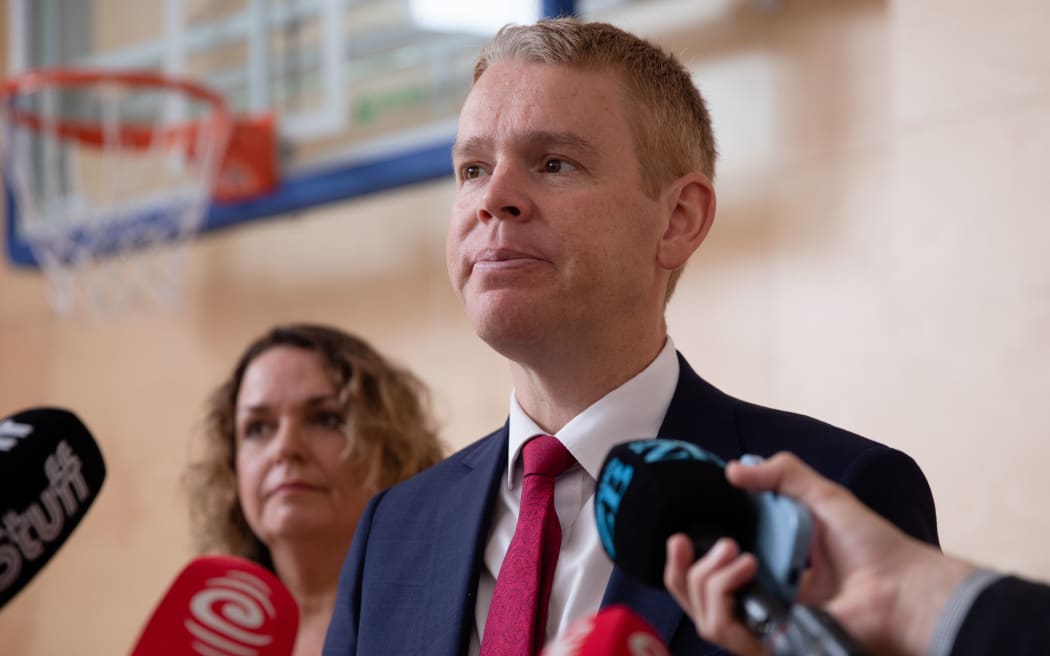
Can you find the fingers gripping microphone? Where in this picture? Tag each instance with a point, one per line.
(222, 606)
(51, 470)
(613, 631)
(648, 490)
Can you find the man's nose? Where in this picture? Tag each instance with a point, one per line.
(507, 195)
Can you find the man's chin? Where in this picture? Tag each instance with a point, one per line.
(508, 329)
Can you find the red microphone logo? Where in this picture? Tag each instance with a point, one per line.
(222, 606)
(232, 616)
(643, 643)
(613, 631)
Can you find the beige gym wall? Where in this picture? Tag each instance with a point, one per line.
(878, 261)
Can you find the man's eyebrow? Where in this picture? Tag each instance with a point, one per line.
(462, 149)
(570, 139)
(539, 138)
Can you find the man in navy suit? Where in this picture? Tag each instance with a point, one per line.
(584, 159)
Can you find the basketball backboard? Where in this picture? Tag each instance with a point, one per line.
(364, 93)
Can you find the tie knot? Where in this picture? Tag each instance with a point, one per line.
(545, 455)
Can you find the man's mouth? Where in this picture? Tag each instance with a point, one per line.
(504, 257)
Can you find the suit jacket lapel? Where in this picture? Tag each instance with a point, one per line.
(465, 518)
(698, 413)
(656, 606)
(701, 413)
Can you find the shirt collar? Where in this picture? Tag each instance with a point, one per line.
(632, 411)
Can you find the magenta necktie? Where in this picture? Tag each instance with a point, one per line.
(517, 618)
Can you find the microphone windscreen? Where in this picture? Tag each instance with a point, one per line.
(51, 470)
(613, 631)
(222, 605)
(651, 489)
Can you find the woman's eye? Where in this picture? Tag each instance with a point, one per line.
(333, 420)
(253, 429)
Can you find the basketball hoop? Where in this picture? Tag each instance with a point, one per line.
(111, 173)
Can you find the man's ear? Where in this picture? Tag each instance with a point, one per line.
(691, 204)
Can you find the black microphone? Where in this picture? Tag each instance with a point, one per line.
(648, 490)
(51, 470)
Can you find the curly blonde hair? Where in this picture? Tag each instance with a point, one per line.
(390, 429)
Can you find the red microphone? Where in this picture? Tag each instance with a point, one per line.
(222, 606)
(613, 631)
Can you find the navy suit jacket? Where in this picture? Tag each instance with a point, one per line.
(409, 582)
(1008, 617)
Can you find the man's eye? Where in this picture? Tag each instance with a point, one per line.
(555, 165)
(472, 171)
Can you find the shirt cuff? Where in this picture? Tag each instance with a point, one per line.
(956, 609)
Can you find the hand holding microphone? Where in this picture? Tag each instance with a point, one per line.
(649, 490)
(884, 587)
(222, 606)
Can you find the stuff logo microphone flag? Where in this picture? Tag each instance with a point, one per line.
(613, 631)
(51, 470)
(222, 606)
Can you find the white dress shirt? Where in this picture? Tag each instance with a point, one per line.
(632, 411)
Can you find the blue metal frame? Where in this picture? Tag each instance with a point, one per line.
(309, 189)
(555, 8)
(297, 192)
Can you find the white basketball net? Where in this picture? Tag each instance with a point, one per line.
(108, 220)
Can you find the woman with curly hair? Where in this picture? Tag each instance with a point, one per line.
(309, 425)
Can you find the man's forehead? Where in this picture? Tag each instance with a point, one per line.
(522, 84)
(535, 103)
